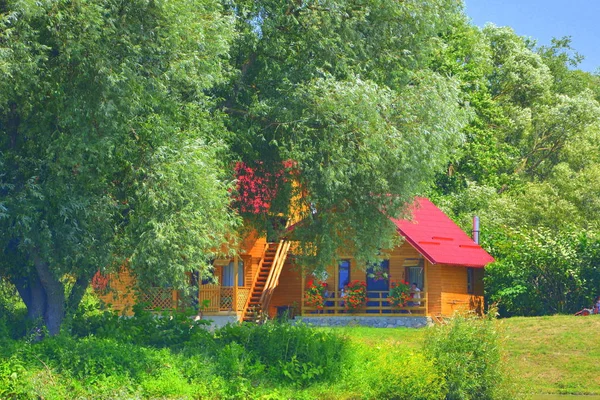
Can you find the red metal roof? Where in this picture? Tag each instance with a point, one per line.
(439, 239)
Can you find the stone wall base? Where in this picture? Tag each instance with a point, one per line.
(375, 322)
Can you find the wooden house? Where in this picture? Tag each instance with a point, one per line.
(444, 262)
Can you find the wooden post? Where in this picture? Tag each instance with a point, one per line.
(302, 291)
(425, 289)
(234, 301)
(336, 292)
(174, 298)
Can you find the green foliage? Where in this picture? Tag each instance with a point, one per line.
(542, 271)
(402, 375)
(294, 353)
(13, 382)
(270, 361)
(529, 167)
(111, 148)
(467, 353)
(13, 323)
(348, 91)
(145, 328)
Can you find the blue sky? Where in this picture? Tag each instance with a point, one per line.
(544, 19)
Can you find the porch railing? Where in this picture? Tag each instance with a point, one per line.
(220, 298)
(159, 298)
(377, 305)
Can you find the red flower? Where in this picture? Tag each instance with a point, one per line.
(356, 295)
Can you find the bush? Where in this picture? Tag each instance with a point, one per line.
(467, 354)
(398, 374)
(89, 358)
(541, 271)
(13, 314)
(290, 353)
(13, 380)
(172, 330)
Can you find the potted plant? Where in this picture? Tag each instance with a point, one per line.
(315, 294)
(399, 294)
(355, 295)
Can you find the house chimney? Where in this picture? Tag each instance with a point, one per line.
(476, 229)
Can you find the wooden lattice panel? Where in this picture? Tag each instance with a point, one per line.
(158, 298)
(226, 298)
(242, 296)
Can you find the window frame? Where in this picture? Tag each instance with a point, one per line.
(470, 280)
(348, 267)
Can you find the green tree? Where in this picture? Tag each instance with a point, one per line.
(109, 146)
(350, 91)
(540, 271)
(534, 134)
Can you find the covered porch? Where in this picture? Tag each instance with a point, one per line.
(230, 294)
(214, 298)
(377, 304)
(401, 266)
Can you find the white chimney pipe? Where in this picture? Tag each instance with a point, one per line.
(476, 229)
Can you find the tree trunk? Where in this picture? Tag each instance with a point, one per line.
(44, 295)
(33, 294)
(79, 288)
(54, 312)
(45, 298)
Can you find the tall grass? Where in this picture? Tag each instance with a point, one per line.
(467, 353)
(103, 356)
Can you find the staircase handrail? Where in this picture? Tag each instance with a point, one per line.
(273, 281)
(270, 276)
(260, 264)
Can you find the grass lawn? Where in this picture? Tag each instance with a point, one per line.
(376, 338)
(544, 355)
(557, 354)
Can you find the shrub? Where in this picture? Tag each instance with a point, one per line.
(13, 380)
(13, 314)
(287, 350)
(89, 358)
(172, 330)
(467, 354)
(542, 271)
(399, 374)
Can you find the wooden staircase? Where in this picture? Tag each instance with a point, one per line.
(265, 280)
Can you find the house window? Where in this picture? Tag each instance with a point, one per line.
(229, 274)
(470, 280)
(414, 272)
(343, 274)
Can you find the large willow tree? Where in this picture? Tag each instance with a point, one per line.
(109, 147)
(351, 92)
(121, 123)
